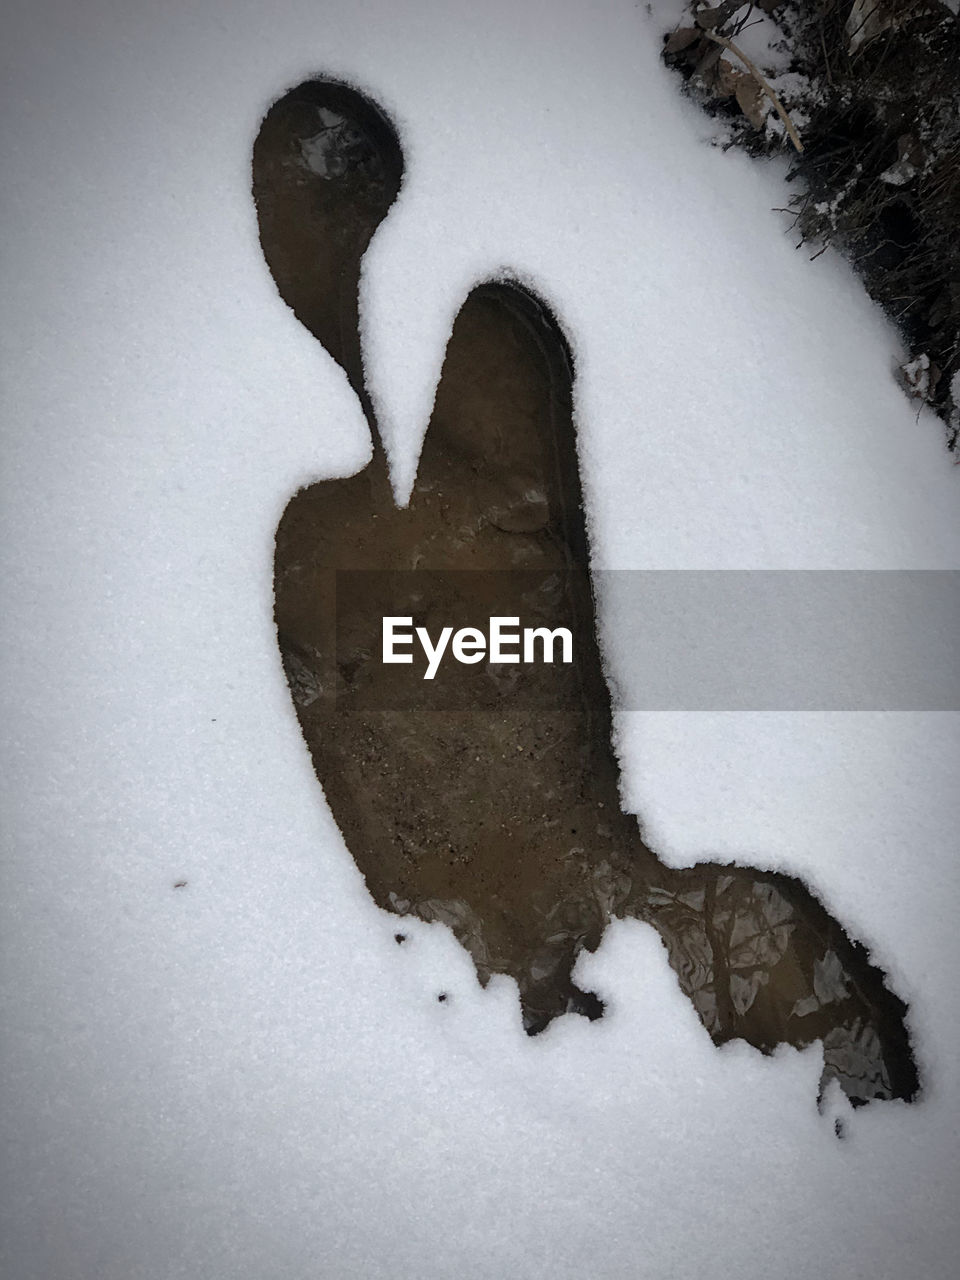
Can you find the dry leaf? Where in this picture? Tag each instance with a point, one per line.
(707, 19)
(709, 60)
(752, 101)
(681, 39)
(726, 79)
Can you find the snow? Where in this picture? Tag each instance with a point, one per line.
(246, 1076)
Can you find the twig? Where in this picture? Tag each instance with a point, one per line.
(787, 122)
(826, 56)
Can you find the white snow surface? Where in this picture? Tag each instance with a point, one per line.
(247, 1077)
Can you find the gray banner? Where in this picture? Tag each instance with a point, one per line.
(805, 640)
(713, 640)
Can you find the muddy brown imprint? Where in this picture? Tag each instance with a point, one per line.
(498, 810)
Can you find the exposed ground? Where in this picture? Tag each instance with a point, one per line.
(489, 799)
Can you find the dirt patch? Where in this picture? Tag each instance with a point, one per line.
(497, 811)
